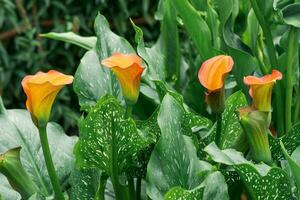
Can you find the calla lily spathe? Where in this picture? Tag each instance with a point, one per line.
(41, 90)
(261, 89)
(213, 72)
(212, 76)
(128, 69)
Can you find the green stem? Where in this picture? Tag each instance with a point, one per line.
(2, 108)
(274, 62)
(289, 76)
(297, 107)
(49, 163)
(129, 109)
(138, 188)
(219, 130)
(131, 188)
(100, 195)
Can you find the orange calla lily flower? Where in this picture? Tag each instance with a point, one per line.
(261, 89)
(128, 69)
(41, 90)
(212, 75)
(213, 72)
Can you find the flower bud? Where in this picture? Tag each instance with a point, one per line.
(11, 167)
(256, 126)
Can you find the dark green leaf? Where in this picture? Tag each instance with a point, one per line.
(261, 180)
(107, 139)
(291, 14)
(196, 27)
(169, 31)
(170, 166)
(231, 128)
(291, 141)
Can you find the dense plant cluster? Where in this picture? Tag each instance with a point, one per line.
(23, 52)
(209, 111)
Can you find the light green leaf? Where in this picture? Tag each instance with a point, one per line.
(87, 43)
(17, 129)
(231, 128)
(92, 80)
(6, 191)
(170, 166)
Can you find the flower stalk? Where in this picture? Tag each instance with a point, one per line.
(273, 60)
(292, 54)
(2, 108)
(49, 163)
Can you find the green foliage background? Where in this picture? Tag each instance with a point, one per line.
(23, 52)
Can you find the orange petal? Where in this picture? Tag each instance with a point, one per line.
(253, 80)
(128, 69)
(261, 89)
(213, 72)
(41, 90)
(122, 60)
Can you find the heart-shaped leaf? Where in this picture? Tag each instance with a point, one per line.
(107, 139)
(261, 180)
(92, 81)
(213, 187)
(170, 166)
(17, 129)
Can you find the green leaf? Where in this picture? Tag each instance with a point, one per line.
(107, 139)
(17, 129)
(92, 81)
(178, 193)
(196, 27)
(213, 187)
(87, 43)
(250, 36)
(84, 184)
(153, 56)
(240, 52)
(107, 41)
(294, 164)
(261, 180)
(169, 31)
(231, 128)
(170, 166)
(291, 14)
(6, 191)
(291, 141)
